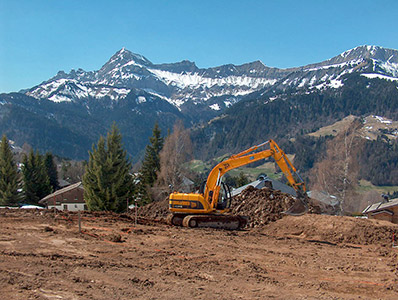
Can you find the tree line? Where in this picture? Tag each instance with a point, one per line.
(108, 179)
(27, 183)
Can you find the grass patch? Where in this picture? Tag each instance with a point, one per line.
(365, 186)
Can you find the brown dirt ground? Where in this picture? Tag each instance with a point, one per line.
(43, 256)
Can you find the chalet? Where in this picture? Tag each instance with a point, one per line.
(384, 210)
(67, 198)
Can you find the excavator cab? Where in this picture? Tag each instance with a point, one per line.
(224, 198)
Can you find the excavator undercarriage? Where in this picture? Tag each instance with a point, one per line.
(229, 222)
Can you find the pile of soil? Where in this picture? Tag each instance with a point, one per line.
(155, 210)
(262, 206)
(335, 229)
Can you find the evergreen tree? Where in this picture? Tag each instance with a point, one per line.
(9, 178)
(241, 179)
(151, 164)
(107, 181)
(36, 181)
(51, 170)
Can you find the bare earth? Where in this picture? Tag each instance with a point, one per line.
(43, 256)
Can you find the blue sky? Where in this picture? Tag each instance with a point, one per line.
(40, 37)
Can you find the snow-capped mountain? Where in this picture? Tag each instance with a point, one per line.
(178, 83)
(365, 59)
(67, 113)
(188, 87)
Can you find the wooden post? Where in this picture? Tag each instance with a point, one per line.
(135, 206)
(80, 221)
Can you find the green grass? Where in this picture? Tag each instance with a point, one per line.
(365, 186)
(197, 166)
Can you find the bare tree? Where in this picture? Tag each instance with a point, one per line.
(337, 173)
(366, 199)
(176, 151)
(72, 170)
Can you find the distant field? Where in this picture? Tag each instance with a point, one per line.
(365, 186)
(333, 129)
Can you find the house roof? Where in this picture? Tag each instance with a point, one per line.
(61, 191)
(380, 206)
(258, 184)
(323, 197)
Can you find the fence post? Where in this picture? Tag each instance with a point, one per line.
(135, 206)
(80, 221)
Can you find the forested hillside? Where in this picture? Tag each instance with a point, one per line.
(290, 114)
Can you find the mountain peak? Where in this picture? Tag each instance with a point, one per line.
(125, 56)
(371, 52)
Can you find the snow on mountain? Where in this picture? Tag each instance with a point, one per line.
(183, 83)
(67, 90)
(380, 76)
(328, 74)
(195, 80)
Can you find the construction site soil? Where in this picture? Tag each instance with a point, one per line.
(43, 255)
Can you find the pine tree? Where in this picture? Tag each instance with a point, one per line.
(151, 164)
(51, 170)
(9, 178)
(107, 181)
(36, 181)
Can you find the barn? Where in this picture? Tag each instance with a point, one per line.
(68, 198)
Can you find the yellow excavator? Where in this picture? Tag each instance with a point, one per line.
(210, 206)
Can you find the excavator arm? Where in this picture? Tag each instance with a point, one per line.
(213, 183)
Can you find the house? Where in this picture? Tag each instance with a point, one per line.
(268, 182)
(68, 198)
(384, 210)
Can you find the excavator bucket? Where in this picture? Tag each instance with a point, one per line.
(298, 208)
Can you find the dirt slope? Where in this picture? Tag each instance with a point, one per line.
(43, 256)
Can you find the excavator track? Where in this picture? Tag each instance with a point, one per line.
(227, 222)
(215, 221)
(175, 219)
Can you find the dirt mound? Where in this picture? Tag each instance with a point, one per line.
(262, 206)
(156, 210)
(335, 229)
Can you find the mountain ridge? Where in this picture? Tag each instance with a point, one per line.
(132, 91)
(183, 82)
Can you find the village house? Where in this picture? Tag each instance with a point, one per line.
(385, 210)
(69, 198)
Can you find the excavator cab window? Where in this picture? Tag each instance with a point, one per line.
(202, 187)
(224, 197)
